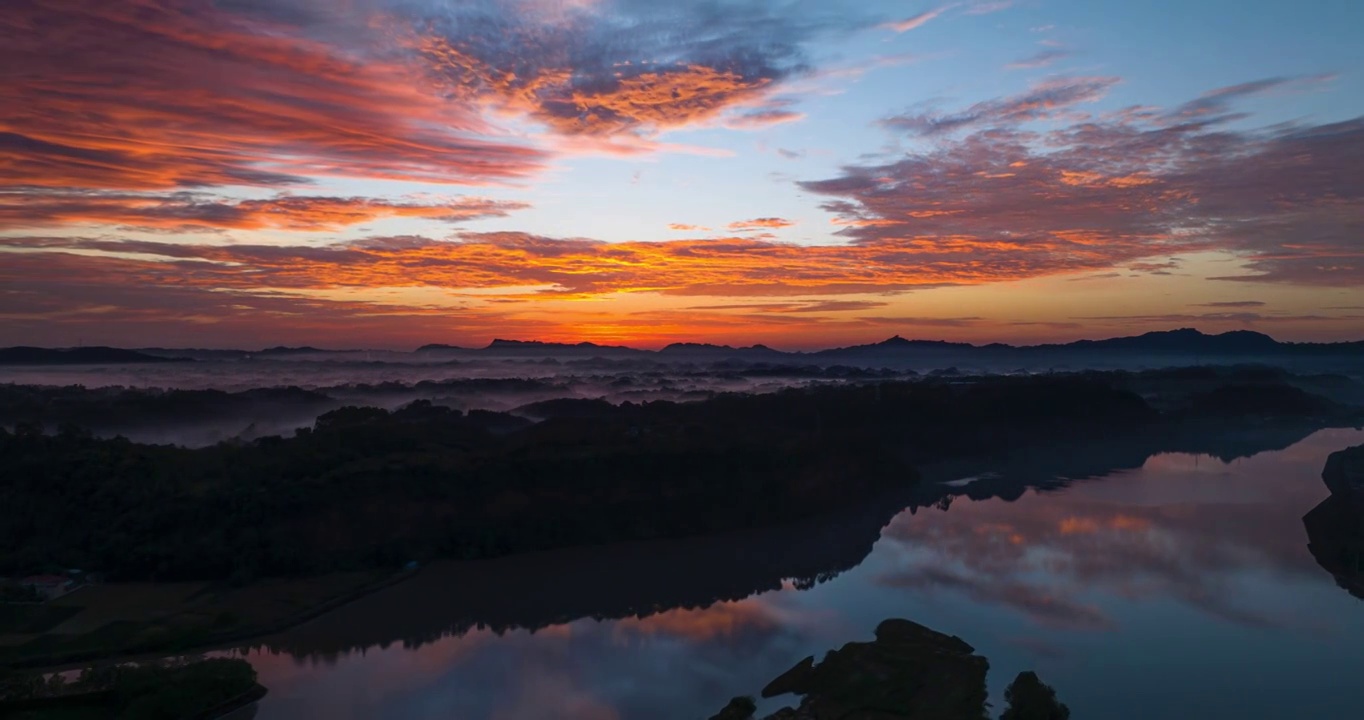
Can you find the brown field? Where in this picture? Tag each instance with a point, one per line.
(270, 601)
(135, 602)
(121, 618)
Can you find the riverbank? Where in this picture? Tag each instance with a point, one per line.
(124, 621)
(368, 488)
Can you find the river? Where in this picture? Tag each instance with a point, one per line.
(1179, 587)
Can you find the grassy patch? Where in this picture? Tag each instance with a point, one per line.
(25, 619)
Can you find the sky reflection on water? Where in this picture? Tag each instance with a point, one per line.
(1181, 589)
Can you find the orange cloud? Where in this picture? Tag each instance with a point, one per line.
(184, 210)
(1078, 526)
(56, 291)
(657, 99)
(583, 268)
(767, 223)
(1091, 525)
(651, 97)
(395, 291)
(583, 72)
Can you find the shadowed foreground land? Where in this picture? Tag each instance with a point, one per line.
(195, 690)
(366, 490)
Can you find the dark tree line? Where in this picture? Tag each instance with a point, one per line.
(366, 488)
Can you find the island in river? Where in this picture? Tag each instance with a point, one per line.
(1335, 528)
(908, 672)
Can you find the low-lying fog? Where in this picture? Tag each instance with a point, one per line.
(206, 402)
(217, 398)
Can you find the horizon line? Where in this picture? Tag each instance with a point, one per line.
(756, 346)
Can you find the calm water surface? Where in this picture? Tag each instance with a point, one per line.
(1181, 589)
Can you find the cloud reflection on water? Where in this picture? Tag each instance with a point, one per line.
(1090, 568)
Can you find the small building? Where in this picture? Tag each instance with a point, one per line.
(49, 586)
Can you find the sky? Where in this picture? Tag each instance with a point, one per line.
(799, 173)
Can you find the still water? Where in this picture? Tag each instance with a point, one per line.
(1182, 588)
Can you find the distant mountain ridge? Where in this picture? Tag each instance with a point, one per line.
(79, 356)
(708, 350)
(1184, 342)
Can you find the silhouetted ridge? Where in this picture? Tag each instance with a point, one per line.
(709, 351)
(535, 347)
(1183, 342)
(900, 342)
(77, 356)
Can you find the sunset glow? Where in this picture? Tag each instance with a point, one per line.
(387, 173)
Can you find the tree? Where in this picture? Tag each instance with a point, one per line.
(1030, 699)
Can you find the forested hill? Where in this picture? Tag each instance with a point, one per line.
(78, 356)
(368, 488)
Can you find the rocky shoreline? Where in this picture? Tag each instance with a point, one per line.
(909, 672)
(1335, 528)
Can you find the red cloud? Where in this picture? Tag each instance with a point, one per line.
(147, 94)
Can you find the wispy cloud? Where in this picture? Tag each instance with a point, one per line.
(1044, 101)
(1217, 104)
(806, 306)
(1118, 189)
(36, 209)
(773, 111)
(986, 7)
(1233, 304)
(1246, 318)
(914, 22)
(1040, 59)
(766, 223)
